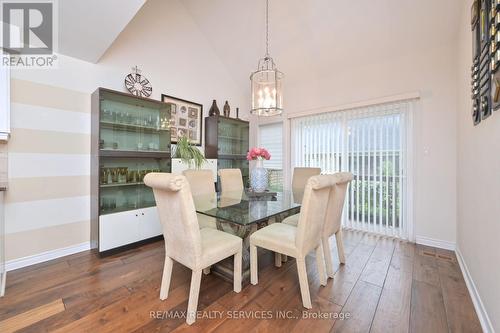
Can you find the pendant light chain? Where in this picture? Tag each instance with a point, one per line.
(267, 28)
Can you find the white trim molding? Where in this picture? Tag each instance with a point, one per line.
(442, 244)
(4, 102)
(45, 256)
(484, 319)
(362, 104)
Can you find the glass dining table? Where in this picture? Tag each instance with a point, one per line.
(242, 213)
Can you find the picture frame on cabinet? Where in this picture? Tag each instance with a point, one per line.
(187, 119)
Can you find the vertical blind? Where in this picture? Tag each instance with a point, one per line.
(271, 138)
(371, 143)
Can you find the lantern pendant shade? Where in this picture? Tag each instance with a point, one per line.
(267, 89)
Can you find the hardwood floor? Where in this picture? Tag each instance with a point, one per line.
(385, 286)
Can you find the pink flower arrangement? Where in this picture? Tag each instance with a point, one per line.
(258, 154)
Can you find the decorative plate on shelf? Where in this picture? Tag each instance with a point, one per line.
(137, 84)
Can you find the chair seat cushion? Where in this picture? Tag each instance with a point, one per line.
(278, 237)
(206, 221)
(217, 245)
(292, 220)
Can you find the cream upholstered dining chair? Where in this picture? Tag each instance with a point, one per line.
(231, 180)
(185, 242)
(299, 181)
(300, 177)
(201, 183)
(333, 219)
(298, 241)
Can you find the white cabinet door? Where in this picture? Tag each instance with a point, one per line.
(149, 225)
(118, 229)
(210, 164)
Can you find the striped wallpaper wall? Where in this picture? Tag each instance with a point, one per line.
(47, 206)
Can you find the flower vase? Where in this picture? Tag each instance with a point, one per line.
(258, 177)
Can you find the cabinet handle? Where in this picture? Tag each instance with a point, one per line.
(136, 215)
(142, 214)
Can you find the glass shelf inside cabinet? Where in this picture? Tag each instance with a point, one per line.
(130, 124)
(121, 183)
(233, 137)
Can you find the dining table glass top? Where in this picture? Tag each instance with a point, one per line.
(244, 209)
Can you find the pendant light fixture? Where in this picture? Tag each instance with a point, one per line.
(267, 85)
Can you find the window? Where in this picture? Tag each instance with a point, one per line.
(271, 138)
(371, 143)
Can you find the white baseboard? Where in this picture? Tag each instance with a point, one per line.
(447, 245)
(474, 294)
(45, 256)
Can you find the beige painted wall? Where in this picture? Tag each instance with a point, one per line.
(478, 178)
(48, 203)
(3, 164)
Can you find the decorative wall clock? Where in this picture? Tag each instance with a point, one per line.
(137, 84)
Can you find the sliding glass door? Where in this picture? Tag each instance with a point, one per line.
(371, 143)
(271, 138)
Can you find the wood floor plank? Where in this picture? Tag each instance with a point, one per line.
(425, 268)
(393, 310)
(375, 270)
(460, 312)
(32, 316)
(347, 275)
(264, 303)
(359, 308)
(427, 309)
(320, 318)
(207, 324)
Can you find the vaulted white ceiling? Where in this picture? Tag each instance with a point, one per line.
(309, 38)
(87, 28)
(313, 38)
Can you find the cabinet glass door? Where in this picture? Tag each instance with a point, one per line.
(129, 124)
(121, 183)
(233, 137)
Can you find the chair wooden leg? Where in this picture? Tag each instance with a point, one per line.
(253, 265)
(206, 271)
(237, 272)
(340, 246)
(304, 284)
(277, 259)
(194, 292)
(328, 257)
(320, 264)
(165, 280)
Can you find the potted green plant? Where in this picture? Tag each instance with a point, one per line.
(188, 153)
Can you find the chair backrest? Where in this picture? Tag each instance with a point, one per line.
(300, 177)
(336, 203)
(313, 212)
(200, 181)
(231, 180)
(177, 216)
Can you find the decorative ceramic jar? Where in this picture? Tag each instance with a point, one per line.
(214, 109)
(258, 177)
(227, 109)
